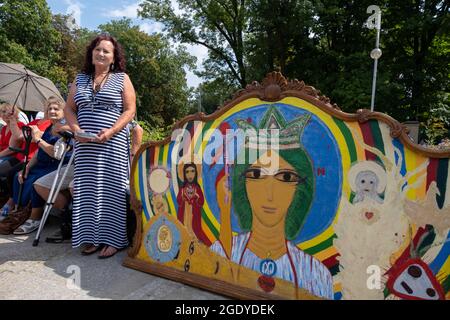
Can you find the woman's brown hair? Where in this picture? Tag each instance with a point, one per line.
(119, 56)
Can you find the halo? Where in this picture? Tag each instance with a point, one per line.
(191, 158)
(158, 180)
(367, 166)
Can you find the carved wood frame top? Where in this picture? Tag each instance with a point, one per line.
(276, 87)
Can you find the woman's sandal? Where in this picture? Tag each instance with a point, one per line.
(90, 249)
(110, 255)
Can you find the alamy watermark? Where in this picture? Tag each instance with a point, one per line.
(235, 146)
(74, 280)
(374, 280)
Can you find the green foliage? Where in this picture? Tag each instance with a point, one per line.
(72, 47)
(437, 125)
(324, 43)
(28, 37)
(218, 25)
(154, 133)
(212, 94)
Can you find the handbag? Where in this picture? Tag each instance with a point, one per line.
(14, 220)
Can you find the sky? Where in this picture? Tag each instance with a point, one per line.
(92, 13)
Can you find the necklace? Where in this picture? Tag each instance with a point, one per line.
(98, 86)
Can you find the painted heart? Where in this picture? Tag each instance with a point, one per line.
(266, 283)
(369, 215)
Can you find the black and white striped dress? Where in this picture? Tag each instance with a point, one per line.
(101, 169)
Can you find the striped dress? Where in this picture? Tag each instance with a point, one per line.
(101, 169)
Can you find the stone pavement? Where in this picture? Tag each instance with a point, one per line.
(46, 272)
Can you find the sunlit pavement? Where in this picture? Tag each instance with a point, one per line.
(54, 271)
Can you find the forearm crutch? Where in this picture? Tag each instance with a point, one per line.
(26, 130)
(54, 191)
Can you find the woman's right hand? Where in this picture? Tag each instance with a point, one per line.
(21, 177)
(82, 139)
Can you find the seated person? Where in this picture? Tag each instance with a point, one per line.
(62, 203)
(10, 172)
(136, 138)
(10, 134)
(42, 163)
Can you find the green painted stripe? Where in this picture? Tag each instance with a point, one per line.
(199, 140)
(214, 231)
(441, 179)
(321, 246)
(161, 155)
(352, 196)
(198, 143)
(446, 285)
(377, 137)
(147, 159)
(348, 139)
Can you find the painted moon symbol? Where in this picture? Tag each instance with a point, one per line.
(158, 180)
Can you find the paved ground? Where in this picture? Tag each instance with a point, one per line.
(46, 272)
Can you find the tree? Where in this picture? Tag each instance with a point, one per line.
(218, 25)
(417, 43)
(279, 32)
(72, 48)
(324, 43)
(28, 37)
(157, 72)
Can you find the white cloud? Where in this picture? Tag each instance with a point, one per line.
(151, 28)
(74, 9)
(197, 51)
(129, 11)
(201, 53)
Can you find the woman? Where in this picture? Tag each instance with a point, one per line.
(11, 167)
(42, 163)
(101, 102)
(190, 200)
(272, 202)
(8, 158)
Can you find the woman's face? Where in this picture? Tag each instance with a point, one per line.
(103, 54)
(190, 174)
(55, 112)
(5, 113)
(270, 190)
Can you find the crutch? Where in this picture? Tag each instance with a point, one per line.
(26, 130)
(67, 136)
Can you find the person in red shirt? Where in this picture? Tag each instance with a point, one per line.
(18, 141)
(10, 135)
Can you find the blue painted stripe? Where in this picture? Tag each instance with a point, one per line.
(396, 142)
(169, 167)
(141, 185)
(437, 263)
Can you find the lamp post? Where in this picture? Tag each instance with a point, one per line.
(374, 21)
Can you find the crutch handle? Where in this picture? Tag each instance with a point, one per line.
(26, 130)
(66, 134)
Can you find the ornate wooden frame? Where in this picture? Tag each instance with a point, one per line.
(273, 88)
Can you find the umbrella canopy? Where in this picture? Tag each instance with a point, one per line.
(24, 88)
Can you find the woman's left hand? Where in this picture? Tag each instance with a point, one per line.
(104, 135)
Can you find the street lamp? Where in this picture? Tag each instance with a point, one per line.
(374, 21)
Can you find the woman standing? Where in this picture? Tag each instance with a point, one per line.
(101, 102)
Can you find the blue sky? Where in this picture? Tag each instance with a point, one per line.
(92, 13)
